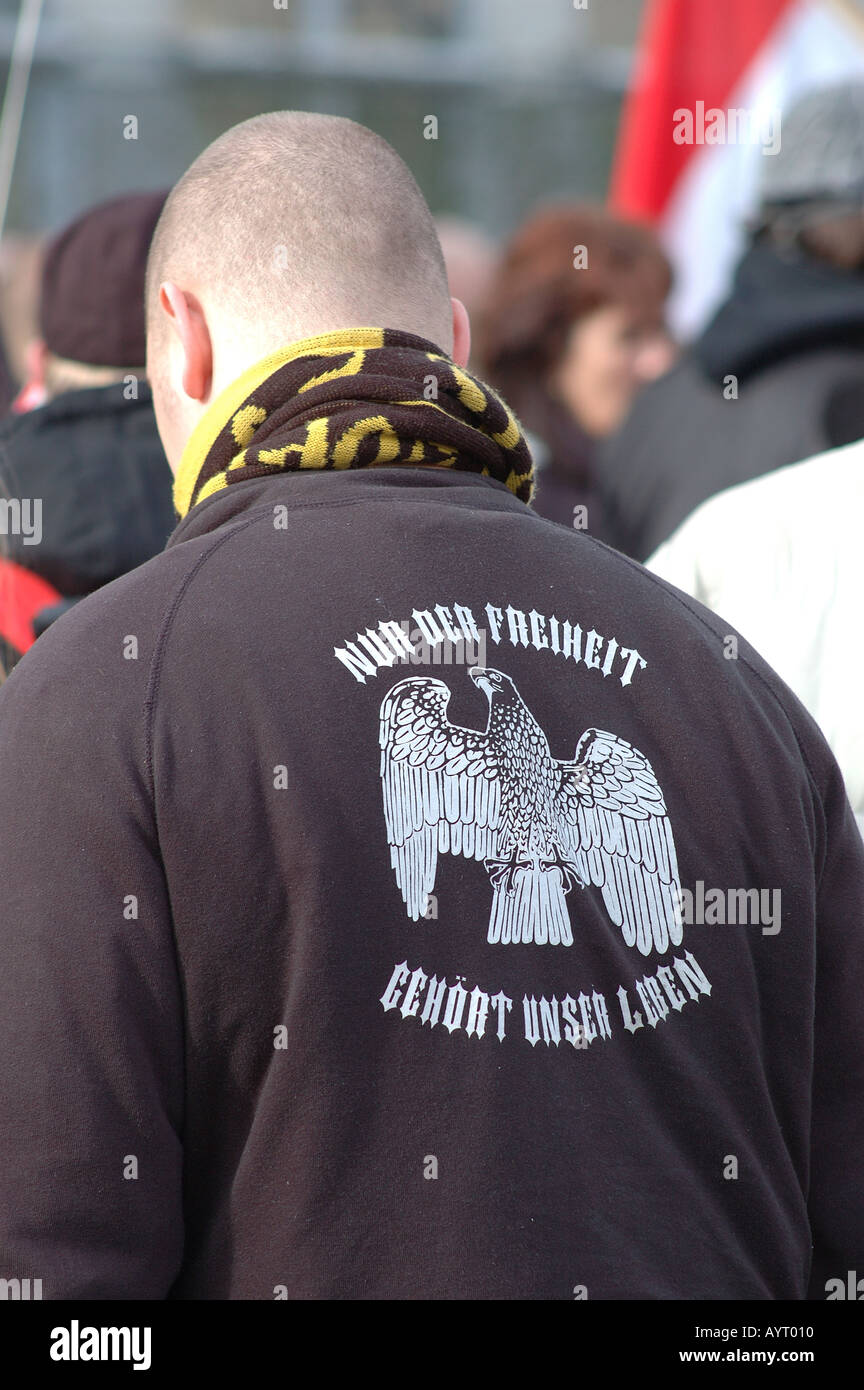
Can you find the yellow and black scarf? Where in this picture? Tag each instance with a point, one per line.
(354, 398)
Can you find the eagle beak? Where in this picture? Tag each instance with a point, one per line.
(480, 677)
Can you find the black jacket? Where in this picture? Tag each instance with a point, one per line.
(94, 461)
(776, 377)
(235, 1064)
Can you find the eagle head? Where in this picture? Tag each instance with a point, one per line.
(493, 682)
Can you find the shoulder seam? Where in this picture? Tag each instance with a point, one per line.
(152, 691)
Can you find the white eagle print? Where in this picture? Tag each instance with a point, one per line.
(540, 826)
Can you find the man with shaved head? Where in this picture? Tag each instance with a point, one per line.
(404, 897)
(290, 225)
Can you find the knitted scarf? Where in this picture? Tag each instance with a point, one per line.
(354, 398)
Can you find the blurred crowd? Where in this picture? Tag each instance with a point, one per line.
(731, 464)
(253, 423)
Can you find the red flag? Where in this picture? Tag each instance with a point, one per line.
(690, 51)
(713, 81)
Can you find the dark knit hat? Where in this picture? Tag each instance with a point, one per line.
(92, 306)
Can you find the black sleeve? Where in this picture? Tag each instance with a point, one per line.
(91, 1034)
(836, 1197)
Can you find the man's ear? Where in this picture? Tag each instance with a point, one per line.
(461, 334)
(186, 320)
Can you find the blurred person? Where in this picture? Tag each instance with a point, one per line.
(574, 330)
(20, 279)
(374, 965)
(85, 487)
(8, 386)
(470, 256)
(778, 374)
(779, 558)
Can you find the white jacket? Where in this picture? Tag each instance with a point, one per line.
(782, 559)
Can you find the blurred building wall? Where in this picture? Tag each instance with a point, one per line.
(526, 96)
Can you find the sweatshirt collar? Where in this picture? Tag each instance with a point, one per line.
(319, 489)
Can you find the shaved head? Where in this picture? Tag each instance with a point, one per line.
(294, 223)
(289, 225)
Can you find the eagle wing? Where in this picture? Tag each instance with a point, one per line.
(440, 786)
(613, 821)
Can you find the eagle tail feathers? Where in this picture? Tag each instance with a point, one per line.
(534, 909)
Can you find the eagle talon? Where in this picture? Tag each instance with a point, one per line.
(504, 870)
(569, 872)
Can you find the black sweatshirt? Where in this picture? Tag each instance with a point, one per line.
(233, 1064)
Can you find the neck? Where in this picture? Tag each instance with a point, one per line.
(352, 398)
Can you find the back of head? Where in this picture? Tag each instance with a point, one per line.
(293, 224)
(812, 189)
(91, 311)
(822, 152)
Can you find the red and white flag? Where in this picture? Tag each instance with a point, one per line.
(713, 79)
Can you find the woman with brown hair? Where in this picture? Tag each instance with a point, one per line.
(573, 329)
